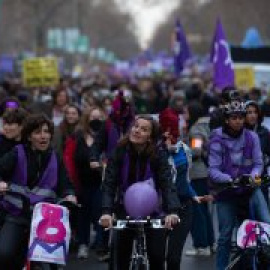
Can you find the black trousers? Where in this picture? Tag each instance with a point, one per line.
(177, 237)
(14, 238)
(122, 249)
(13, 243)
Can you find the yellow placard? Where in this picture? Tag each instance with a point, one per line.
(244, 77)
(40, 71)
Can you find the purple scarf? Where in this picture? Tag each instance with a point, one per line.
(125, 172)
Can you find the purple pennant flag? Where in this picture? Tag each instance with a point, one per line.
(221, 59)
(6, 63)
(181, 49)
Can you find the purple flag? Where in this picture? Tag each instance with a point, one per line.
(181, 49)
(6, 63)
(221, 59)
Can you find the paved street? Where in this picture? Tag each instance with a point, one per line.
(189, 263)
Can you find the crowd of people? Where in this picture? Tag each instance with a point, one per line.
(90, 139)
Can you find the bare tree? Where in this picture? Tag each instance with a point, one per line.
(24, 24)
(199, 21)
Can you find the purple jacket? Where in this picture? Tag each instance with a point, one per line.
(230, 158)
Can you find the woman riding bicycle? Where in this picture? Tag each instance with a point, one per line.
(34, 170)
(137, 158)
(234, 152)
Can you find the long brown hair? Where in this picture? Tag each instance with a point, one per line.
(64, 126)
(151, 147)
(57, 93)
(84, 124)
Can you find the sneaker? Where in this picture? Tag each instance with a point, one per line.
(214, 248)
(199, 252)
(83, 252)
(104, 256)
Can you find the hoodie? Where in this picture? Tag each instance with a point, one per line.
(219, 169)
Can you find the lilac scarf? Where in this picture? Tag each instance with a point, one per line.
(125, 172)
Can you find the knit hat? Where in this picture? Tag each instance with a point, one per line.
(169, 122)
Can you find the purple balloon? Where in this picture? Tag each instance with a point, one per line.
(140, 200)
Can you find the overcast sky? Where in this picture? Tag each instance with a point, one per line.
(148, 15)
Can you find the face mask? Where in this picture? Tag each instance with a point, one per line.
(95, 125)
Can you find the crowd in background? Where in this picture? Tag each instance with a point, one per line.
(83, 111)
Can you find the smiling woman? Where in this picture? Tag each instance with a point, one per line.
(136, 161)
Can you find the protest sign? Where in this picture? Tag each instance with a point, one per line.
(40, 71)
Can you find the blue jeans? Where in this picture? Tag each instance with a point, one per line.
(202, 235)
(227, 220)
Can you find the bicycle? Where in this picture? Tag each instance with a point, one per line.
(25, 220)
(139, 258)
(259, 252)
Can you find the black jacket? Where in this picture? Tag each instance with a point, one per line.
(87, 176)
(216, 119)
(100, 144)
(264, 137)
(161, 173)
(6, 145)
(37, 162)
(263, 134)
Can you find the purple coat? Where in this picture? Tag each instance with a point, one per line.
(231, 157)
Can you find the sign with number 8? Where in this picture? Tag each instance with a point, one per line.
(50, 234)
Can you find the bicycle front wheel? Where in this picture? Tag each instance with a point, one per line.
(45, 266)
(138, 265)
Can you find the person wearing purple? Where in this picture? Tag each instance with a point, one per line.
(115, 127)
(233, 152)
(136, 159)
(9, 104)
(32, 169)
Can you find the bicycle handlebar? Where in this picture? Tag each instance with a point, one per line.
(66, 203)
(245, 181)
(25, 200)
(121, 224)
(26, 205)
(248, 181)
